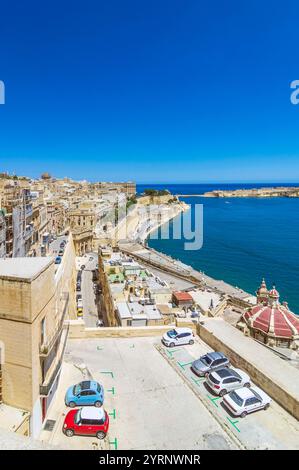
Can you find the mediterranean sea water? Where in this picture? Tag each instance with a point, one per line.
(244, 239)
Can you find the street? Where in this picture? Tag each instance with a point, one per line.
(90, 309)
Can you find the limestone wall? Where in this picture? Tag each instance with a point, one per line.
(77, 330)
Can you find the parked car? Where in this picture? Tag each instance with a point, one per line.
(83, 266)
(225, 380)
(100, 323)
(86, 422)
(79, 312)
(57, 260)
(209, 362)
(60, 253)
(178, 336)
(246, 400)
(78, 286)
(85, 393)
(62, 245)
(80, 303)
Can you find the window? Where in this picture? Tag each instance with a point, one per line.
(43, 331)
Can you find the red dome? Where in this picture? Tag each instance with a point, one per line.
(276, 320)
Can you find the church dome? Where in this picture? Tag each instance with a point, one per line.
(274, 320)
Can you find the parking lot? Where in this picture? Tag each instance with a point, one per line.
(155, 402)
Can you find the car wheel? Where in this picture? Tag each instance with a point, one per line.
(247, 385)
(243, 414)
(223, 392)
(98, 404)
(191, 341)
(69, 432)
(72, 404)
(172, 345)
(101, 435)
(266, 406)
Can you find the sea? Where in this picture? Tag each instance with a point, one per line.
(244, 239)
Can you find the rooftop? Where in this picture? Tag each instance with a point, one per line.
(24, 268)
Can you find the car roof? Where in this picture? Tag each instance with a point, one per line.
(244, 393)
(92, 412)
(223, 373)
(216, 355)
(183, 330)
(85, 385)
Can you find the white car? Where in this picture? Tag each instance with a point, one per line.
(177, 337)
(246, 400)
(226, 380)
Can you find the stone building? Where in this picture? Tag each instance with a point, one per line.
(37, 297)
(271, 322)
(2, 234)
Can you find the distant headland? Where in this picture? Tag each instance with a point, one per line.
(256, 192)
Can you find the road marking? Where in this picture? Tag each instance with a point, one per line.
(213, 400)
(184, 365)
(198, 381)
(113, 413)
(107, 372)
(112, 390)
(114, 443)
(172, 352)
(233, 423)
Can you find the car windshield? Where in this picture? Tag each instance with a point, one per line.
(235, 374)
(77, 389)
(256, 395)
(78, 417)
(236, 398)
(206, 360)
(172, 334)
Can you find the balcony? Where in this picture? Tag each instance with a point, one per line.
(28, 232)
(54, 370)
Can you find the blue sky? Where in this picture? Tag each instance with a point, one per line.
(154, 91)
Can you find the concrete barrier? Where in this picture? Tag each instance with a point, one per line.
(274, 375)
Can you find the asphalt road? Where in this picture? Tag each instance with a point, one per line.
(90, 310)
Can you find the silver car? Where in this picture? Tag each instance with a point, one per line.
(209, 362)
(225, 380)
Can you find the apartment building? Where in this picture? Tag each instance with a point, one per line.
(37, 297)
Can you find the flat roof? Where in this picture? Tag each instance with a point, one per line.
(24, 268)
(123, 310)
(183, 296)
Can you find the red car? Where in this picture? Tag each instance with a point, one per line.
(87, 421)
